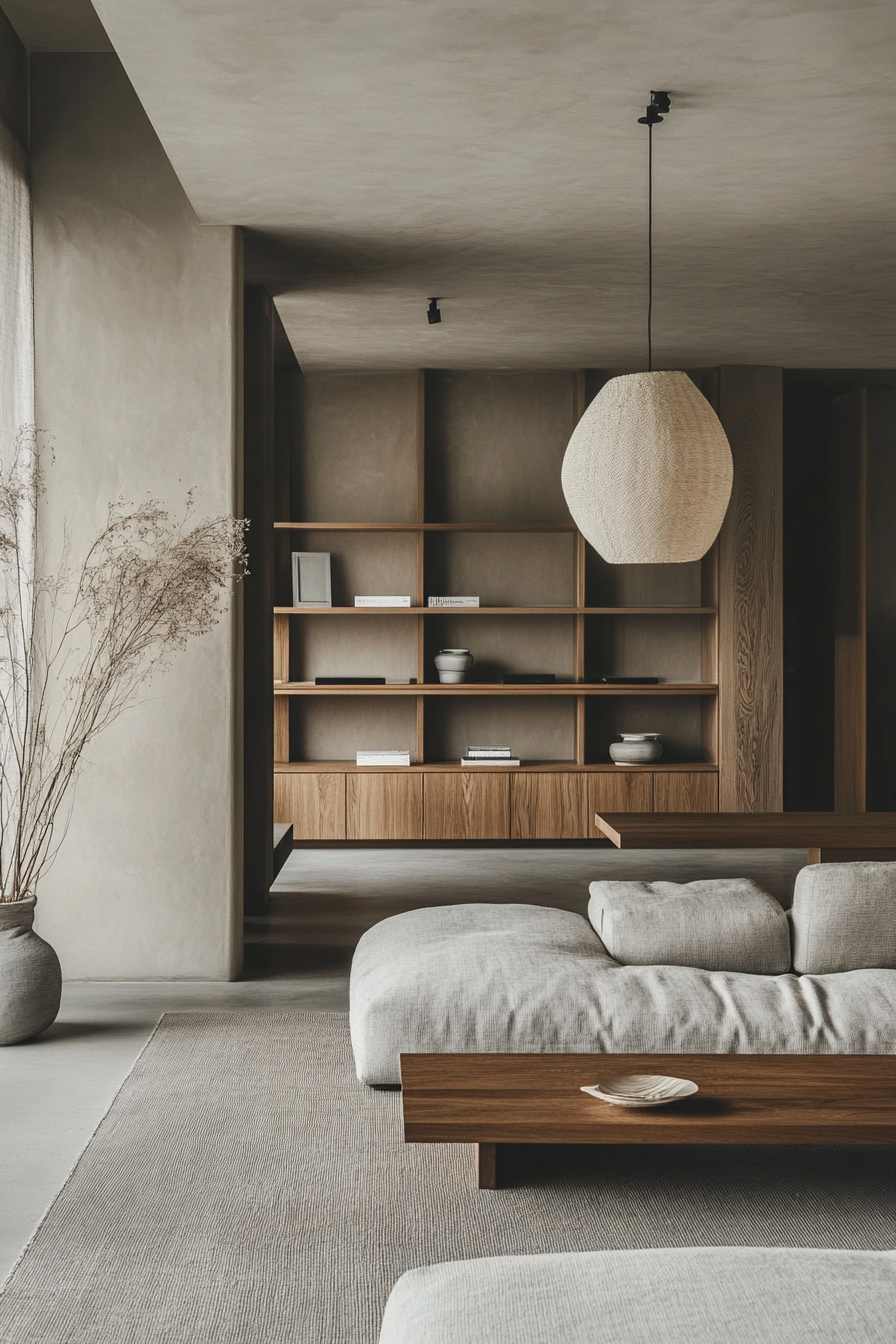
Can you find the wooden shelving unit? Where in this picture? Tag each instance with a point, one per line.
(468, 689)
(415, 460)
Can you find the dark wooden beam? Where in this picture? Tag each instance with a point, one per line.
(258, 600)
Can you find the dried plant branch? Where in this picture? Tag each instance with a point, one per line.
(77, 648)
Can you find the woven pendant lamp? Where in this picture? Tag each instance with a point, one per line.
(647, 473)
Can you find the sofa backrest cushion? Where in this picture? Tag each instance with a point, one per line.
(723, 924)
(844, 918)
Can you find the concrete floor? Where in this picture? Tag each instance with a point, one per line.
(56, 1090)
(328, 897)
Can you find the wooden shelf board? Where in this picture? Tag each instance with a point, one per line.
(568, 688)
(494, 611)
(426, 527)
(527, 767)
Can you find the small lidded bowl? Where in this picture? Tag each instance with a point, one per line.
(637, 749)
(452, 664)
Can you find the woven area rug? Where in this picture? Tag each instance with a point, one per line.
(244, 1188)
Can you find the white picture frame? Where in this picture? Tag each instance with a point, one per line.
(311, 579)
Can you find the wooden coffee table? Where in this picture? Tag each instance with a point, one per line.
(821, 834)
(490, 1100)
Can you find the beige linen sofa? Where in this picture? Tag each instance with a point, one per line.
(694, 1296)
(523, 978)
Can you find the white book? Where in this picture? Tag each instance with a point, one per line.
(382, 751)
(382, 601)
(378, 763)
(383, 758)
(487, 752)
(489, 760)
(452, 601)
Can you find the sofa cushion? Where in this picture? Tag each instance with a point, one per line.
(724, 924)
(742, 1295)
(522, 978)
(844, 917)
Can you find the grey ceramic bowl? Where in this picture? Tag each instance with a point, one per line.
(634, 752)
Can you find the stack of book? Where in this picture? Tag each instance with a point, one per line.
(489, 756)
(453, 601)
(384, 757)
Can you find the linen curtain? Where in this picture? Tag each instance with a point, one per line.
(18, 449)
(16, 295)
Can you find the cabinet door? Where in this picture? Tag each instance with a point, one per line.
(315, 804)
(467, 806)
(548, 806)
(383, 807)
(627, 791)
(686, 791)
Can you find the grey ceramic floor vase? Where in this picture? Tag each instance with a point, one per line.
(30, 975)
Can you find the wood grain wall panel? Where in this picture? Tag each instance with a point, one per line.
(751, 775)
(548, 807)
(383, 807)
(467, 806)
(850, 600)
(686, 791)
(314, 804)
(631, 791)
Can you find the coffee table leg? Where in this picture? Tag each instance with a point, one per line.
(486, 1174)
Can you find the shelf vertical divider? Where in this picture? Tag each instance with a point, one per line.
(580, 394)
(281, 673)
(709, 649)
(710, 386)
(420, 598)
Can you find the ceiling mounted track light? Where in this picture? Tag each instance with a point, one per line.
(432, 313)
(647, 473)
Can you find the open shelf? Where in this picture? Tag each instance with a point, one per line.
(495, 611)
(449, 483)
(570, 688)
(525, 767)
(426, 527)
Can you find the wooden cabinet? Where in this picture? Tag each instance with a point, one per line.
(383, 807)
(685, 791)
(467, 806)
(629, 792)
(548, 806)
(313, 803)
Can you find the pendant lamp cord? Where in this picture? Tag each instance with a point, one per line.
(650, 247)
(660, 102)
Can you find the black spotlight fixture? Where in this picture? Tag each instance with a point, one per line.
(432, 313)
(659, 102)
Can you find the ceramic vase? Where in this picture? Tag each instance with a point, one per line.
(637, 749)
(30, 975)
(452, 665)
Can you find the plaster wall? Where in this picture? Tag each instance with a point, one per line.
(137, 328)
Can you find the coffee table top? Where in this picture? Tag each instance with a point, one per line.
(748, 830)
(742, 1099)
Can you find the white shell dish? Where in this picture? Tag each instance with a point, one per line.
(641, 1089)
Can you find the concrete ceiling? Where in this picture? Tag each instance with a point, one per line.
(488, 152)
(57, 25)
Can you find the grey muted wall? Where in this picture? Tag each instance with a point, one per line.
(137, 328)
